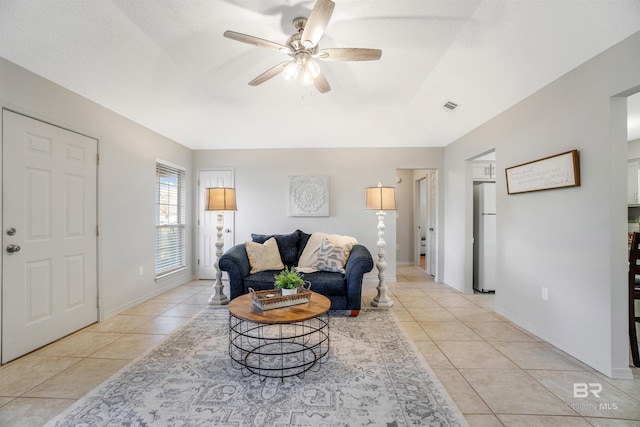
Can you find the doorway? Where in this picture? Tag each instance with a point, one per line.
(49, 223)
(425, 220)
(484, 222)
(417, 207)
(421, 225)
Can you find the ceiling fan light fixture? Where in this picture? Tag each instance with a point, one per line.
(306, 79)
(312, 68)
(291, 71)
(302, 48)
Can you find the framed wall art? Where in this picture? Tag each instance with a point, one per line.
(309, 195)
(558, 171)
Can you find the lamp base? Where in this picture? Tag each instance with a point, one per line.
(382, 300)
(218, 297)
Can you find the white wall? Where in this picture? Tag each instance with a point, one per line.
(126, 189)
(405, 217)
(572, 241)
(261, 180)
(633, 149)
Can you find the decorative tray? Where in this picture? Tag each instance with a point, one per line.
(273, 298)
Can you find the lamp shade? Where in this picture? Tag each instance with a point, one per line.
(381, 198)
(221, 199)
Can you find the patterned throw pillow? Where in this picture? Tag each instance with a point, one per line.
(264, 256)
(330, 257)
(309, 256)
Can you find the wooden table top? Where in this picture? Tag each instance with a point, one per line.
(242, 307)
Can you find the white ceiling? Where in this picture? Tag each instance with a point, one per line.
(166, 65)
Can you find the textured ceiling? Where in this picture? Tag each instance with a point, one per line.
(166, 65)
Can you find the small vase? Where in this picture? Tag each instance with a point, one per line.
(289, 291)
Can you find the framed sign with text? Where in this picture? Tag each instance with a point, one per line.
(558, 171)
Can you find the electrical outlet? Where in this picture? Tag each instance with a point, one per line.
(140, 271)
(545, 294)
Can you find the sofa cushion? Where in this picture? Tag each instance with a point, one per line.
(264, 256)
(331, 257)
(304, 238)
(260, 281)
(322, 282)
(287, 245)
(327, 283)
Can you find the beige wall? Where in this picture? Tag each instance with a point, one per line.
(572, 241)
(126, 189)
(262, 179)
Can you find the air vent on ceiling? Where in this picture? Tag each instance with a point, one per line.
(450, 105)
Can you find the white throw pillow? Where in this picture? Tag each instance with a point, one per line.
(264, 256)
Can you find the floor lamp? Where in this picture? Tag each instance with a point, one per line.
(381, 199)
(220, 199)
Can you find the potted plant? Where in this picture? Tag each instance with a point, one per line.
(288, 280)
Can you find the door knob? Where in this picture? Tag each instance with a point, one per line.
(13, 248)
(11, 231)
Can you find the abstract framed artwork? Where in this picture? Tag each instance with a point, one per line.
(309, 195)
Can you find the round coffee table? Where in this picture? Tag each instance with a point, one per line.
(281, 342)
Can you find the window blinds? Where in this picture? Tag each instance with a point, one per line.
(170, 218)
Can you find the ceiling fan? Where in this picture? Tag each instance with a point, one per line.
(303, 48)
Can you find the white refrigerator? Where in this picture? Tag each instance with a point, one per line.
(484, 236)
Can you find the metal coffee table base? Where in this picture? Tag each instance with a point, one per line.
(278, 350)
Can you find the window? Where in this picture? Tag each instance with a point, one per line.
(171, 215)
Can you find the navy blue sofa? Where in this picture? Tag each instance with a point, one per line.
(343, 290)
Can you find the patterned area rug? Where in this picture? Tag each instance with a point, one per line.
(374, 376)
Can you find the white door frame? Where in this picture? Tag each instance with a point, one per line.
(431, 259)
(430, 197)
(420, 196)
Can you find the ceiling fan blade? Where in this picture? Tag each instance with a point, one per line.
(349, 54)
(321, 83)
(317, 23)
(271, 72)
(256, 41)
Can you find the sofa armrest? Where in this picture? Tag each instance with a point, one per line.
(359, 263)
(236, 263)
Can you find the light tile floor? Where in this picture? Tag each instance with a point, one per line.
(498, 374)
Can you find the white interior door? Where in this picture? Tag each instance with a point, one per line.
(207, 221)
(49, 215)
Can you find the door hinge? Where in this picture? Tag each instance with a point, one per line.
(97, 230)
(198, 262)
(97, 159)
(98, 302)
